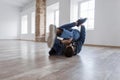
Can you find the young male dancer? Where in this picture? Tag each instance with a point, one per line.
(65, 40)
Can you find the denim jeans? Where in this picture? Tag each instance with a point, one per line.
(77, 36)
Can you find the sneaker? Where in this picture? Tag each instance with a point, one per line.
(81, 21)
(52, 52)
(52, 35)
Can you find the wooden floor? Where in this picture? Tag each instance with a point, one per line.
(25, 60)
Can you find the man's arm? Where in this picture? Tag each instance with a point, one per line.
(67, 42)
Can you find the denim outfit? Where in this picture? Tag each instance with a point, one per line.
(78, 38)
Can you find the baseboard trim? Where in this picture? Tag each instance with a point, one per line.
(95, 45)
(26, 40)
(7, 39)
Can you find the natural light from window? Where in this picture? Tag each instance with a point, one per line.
(33, 22)
(56, 16)
(24, 24)
(86, 9)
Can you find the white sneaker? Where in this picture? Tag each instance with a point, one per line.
(52, 35)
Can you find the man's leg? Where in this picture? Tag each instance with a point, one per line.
(77, 23)
(82, 34)
(68, 26)
(79, 43)
(57, 48)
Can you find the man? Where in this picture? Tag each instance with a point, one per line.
(65, 40)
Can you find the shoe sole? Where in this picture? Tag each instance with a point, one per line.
(52, 35)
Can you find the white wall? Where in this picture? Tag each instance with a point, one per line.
(73, 10)
(50, 15)
(107, 23)
(64, 10)
(9, 21)
(107, 19)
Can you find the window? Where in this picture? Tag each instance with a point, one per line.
(86, 9)
(33, 22)
(24, 24)
(56, 16)
(52, 16)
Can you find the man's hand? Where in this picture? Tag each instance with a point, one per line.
(67, 42)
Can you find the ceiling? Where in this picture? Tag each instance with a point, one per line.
(16, 3)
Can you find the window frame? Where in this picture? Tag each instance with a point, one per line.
(54, 12)
(79, 14)
(32, 23)
(22, 31)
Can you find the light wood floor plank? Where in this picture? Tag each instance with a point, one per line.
(26, 60)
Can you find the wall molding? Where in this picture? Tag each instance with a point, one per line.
(96, 45)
